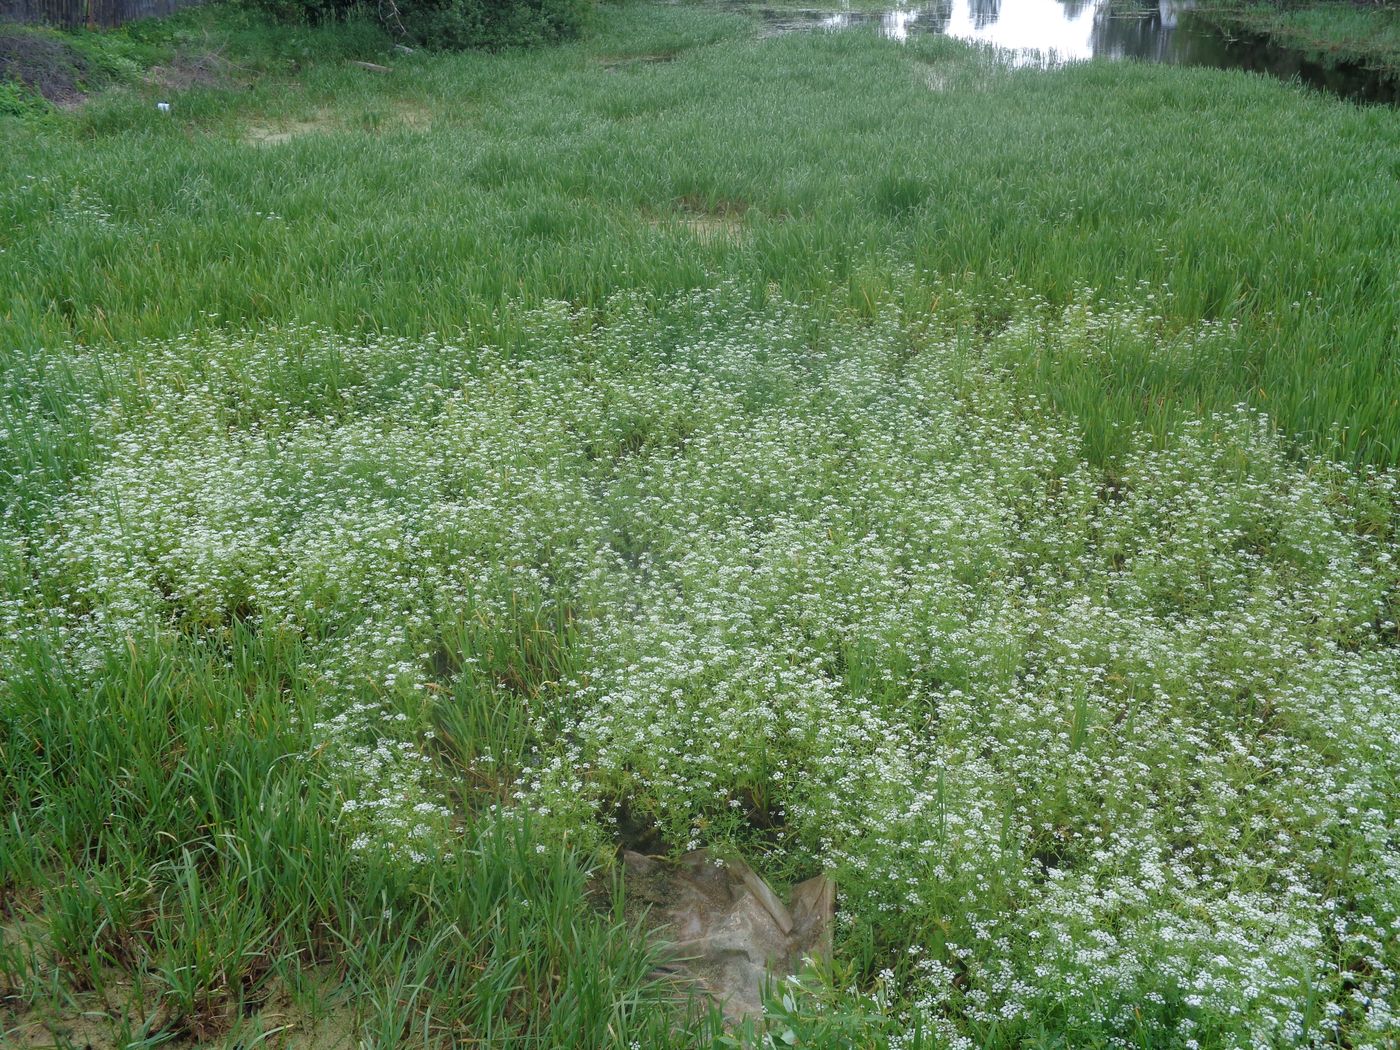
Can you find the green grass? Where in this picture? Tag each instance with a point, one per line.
(241, 44)
(1332, 33)
(541, 175)
(170, 827)
(971, 482)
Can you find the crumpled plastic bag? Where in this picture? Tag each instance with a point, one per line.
(724, 927)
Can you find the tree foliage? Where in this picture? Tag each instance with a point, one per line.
(451, 24)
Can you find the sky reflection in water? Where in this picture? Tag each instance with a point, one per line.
(1043, 30)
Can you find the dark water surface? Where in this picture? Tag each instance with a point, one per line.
(1057, 31)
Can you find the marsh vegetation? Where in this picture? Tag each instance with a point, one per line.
(975, 482)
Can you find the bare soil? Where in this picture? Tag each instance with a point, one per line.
(43, 64)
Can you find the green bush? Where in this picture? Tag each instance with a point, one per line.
(17, 101)
(311, 12)
(492, 24)
(450, 24)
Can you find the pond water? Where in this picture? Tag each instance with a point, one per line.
(1057, 31)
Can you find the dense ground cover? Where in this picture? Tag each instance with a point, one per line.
(426, 200)
(843, 453)
(1366, 34)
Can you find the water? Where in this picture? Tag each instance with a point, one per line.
(1056, 31)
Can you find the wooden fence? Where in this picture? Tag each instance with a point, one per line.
(71, 13)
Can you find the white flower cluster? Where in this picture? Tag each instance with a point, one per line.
(1110, 748)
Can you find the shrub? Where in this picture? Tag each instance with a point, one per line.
(17, 101)
(491, 23)
(450, 24)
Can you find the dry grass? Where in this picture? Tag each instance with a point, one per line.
(204, 69)
(399, 114)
